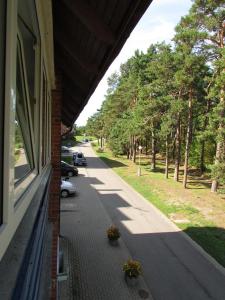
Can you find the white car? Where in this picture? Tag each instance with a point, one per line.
(67, 188)
(79, 159)
(66, 152)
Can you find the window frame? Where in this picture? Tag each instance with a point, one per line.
(45, 120)
(3, 9)
(21, 185)
(44, 117)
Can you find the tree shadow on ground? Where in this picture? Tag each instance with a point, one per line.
(195, 179)
(113, 163)
(212, 240)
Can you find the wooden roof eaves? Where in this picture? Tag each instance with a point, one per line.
(89, 17)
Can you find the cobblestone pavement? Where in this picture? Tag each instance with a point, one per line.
(174, 268)
(95, 266)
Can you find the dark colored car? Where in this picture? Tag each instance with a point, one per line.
(68, 170)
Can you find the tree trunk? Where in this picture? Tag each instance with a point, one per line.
(202, 158)
(173, 149)
(215, 183)
(134, 149)
(219, 149)
(146, 147)
(153, 151)
(177, 150)
(101, 142)
(188, 139)
(130, 148)
(220, 142)
(167, 158)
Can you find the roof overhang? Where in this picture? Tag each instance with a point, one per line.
(88, 35)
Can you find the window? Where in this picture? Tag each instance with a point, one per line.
(44, 120)
(2, 84)
(26, 116)
(46, 113)
(29, 32)
(29, 45)
(24, 160)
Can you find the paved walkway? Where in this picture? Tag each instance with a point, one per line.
(173, 267)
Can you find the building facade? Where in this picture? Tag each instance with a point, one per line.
(26, 81)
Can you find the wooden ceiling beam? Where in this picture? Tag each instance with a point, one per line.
(70, 72)
(71, 98)
(70, 86)
(68, 90)
(65, 60)
(90, 18)
(67, 113)
(72, 50)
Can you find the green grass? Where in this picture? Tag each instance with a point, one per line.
(203, 231)
(72, 142)
(68, 143)
(80, 138)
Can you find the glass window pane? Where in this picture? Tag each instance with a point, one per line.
(23, 152)
(22, 165)
(29, 43)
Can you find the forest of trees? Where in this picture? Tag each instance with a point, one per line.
(171, 99)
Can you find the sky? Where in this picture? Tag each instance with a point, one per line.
(156, 25)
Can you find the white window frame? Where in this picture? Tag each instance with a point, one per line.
(46, 112)
(3, 7)
(23, 183)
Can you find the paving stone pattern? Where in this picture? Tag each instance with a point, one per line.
(95, 265)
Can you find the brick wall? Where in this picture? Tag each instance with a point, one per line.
(54, 201)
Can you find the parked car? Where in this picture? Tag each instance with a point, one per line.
(79, 159)
(67, 154)
(67, 188)
(68, 170)
(65, 151)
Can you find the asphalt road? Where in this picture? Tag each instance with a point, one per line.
(174, 267)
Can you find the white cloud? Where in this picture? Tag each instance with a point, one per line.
(156, 25)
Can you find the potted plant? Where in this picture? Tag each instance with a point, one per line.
(132, 269)
(113, 234)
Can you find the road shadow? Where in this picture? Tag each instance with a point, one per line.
(93, 163)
